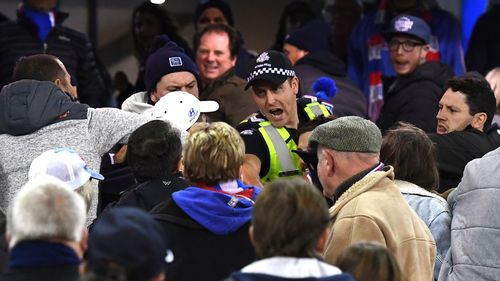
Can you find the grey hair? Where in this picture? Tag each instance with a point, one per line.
(46, 208)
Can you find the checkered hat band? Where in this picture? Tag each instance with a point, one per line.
(272, 70)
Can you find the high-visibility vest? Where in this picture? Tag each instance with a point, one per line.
(282, 162)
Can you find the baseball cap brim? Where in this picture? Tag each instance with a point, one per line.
(390, 34)
(208, 106)
(269, 77)
(94, 174)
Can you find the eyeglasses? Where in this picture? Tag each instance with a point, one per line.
(408, 45)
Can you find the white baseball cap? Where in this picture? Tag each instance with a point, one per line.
(182, 109)
(64, 164)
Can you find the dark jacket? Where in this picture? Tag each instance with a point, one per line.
(39, 260)
(209, 238)
(147, 195)
(455, 150)
(70, 46)
(482, 52)
(235, 104)
(349, 99)
(414, 98)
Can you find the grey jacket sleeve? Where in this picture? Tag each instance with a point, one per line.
(109, 126)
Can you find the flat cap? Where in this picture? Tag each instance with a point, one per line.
(349, 134)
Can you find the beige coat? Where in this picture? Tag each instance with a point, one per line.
(373, 209)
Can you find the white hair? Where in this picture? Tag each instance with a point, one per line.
(46, 208)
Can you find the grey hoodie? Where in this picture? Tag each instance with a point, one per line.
(36, 116)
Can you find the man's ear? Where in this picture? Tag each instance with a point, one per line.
(478, 121)
(320, 246)
(85, 240)
(424, 52)
(250, 233)
(58, 82)
(330, 162)
(153, 96)
(295, 85)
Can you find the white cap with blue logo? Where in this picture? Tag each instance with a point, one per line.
(182, 109)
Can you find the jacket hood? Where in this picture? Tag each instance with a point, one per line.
(137, 103)
(28, 105)
(325, 61)
(216, 209)
(291, 268)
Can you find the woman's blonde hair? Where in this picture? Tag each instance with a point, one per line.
(213, 153)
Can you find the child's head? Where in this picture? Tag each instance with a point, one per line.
(369, 261)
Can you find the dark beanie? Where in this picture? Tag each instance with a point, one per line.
(312, 37)
(219, 4)
(166, 57)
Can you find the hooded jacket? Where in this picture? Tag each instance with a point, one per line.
(208, 230)
(349, 99)
(414, 98)
(36, 116)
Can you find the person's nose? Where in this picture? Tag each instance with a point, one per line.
(441, 115)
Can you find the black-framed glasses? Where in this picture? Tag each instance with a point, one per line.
(408, 45)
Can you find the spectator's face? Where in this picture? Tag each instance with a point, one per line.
(277, 102)
(146, 27)
(41, 5)
(293, 53)
(210, 16)
(213, 56)
(453, 114)
(176, 81)
(406, 53)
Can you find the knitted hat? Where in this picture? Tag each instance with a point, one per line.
(409, 25)
(349, 134)
(311, 37)
(219, 4)
(166, 57)
(272, 66)
(130, 238)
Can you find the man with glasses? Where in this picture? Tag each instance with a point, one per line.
(413, 95)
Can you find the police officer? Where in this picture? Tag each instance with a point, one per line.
(270, 134)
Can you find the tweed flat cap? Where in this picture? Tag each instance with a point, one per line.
(349, 134)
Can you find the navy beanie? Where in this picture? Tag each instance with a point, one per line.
(166, 57)
(219, 4)
(312, 37)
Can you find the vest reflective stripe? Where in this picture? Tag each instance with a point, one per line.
(315, 109)
(282, 162)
